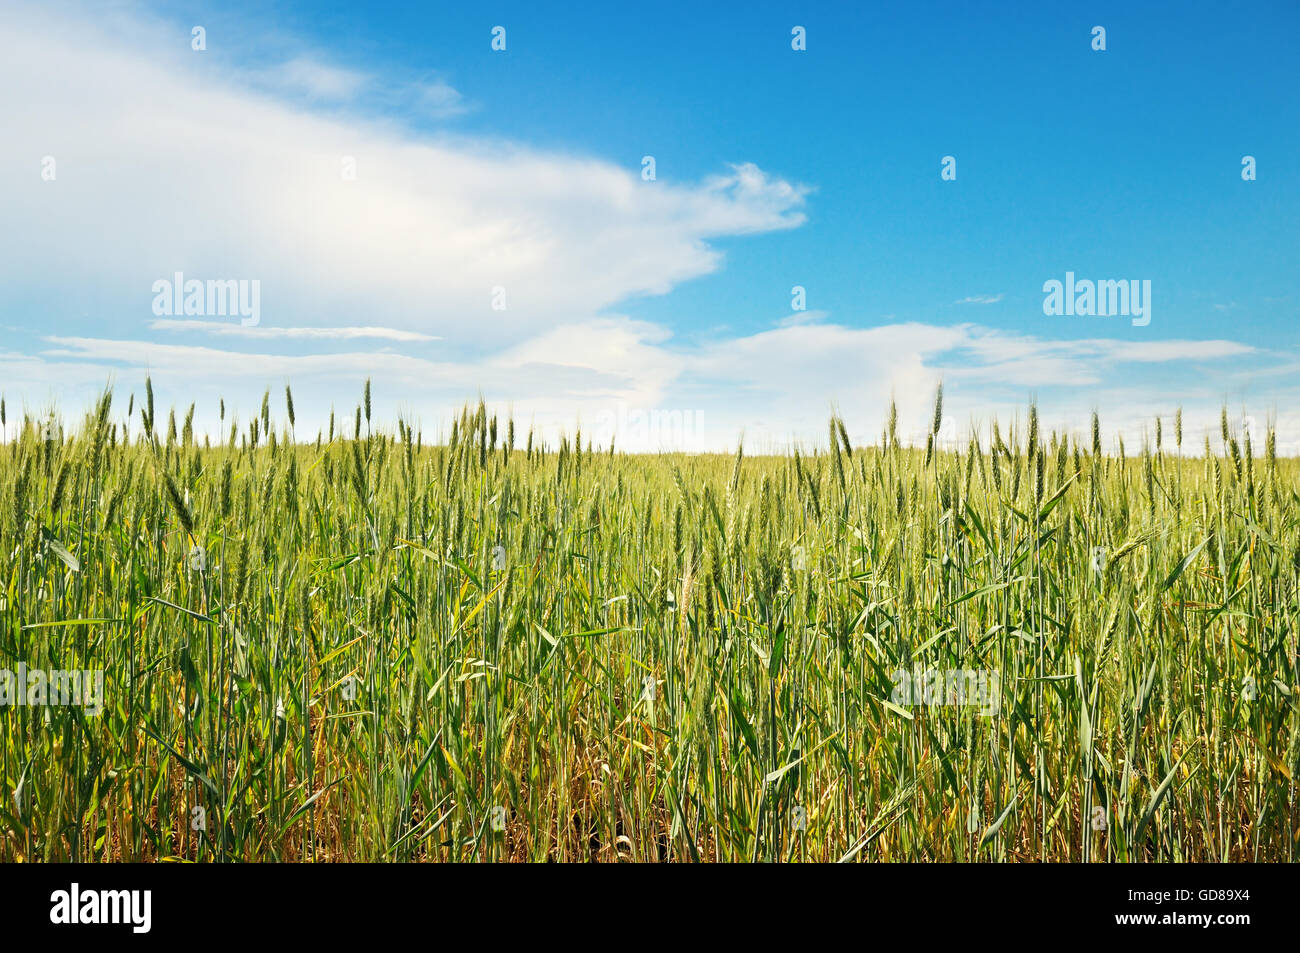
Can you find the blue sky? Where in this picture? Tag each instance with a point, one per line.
(479, 169)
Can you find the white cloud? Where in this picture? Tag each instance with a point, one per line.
(260, 331)
(166, 163)
(802, 317)
(1035, 362)
(774, 386)
(981, 299)
(437, 99)
(309, 76)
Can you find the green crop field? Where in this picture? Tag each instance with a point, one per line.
(379, 644)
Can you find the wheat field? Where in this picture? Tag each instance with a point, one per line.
(373, 644)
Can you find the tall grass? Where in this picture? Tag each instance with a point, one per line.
(369, 647)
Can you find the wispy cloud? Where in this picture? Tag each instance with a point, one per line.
(802, 317)
(437, 99)
(313, 78)
(309, 78)
(980, 299)
(318, 334)
(774, 386)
